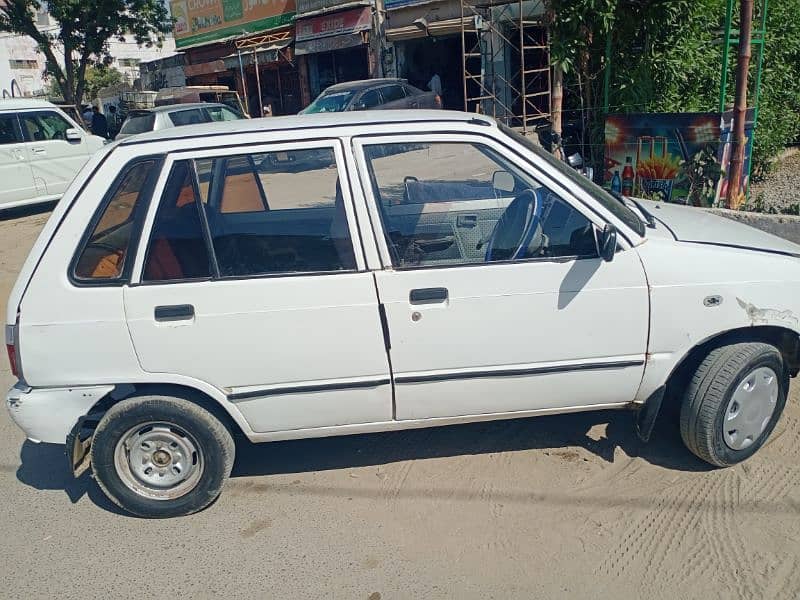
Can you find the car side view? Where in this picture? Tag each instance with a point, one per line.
(372, 94)
(326, 275)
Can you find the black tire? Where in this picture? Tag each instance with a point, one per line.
(706, 400)
(212, 439)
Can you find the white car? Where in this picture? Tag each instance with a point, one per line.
(41, 151)
(336, 274)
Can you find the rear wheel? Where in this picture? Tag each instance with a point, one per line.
(733, 402)
(159, 456)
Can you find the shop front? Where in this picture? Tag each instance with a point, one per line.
(426, 41)
(334, 46)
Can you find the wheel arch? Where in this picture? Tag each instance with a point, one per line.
(783, 338)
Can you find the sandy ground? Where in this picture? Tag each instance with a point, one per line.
(571, 507)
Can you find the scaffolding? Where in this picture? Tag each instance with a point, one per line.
(506, 61)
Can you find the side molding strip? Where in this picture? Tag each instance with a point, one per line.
(302, 389)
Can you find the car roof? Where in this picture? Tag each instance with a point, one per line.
(19, 103)
(354, 86)
(175, 107)
(309, 122)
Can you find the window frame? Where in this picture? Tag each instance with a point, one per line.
(139, 213)
(17, 128)
(510, 154)
(350, 199)
(43, 112)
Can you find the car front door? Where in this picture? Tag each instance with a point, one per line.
(479, 323)
(253, 280)
(54, 159)
(15, 169)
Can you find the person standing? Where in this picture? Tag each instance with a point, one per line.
(99, 123)
(435, 84)
(113, 122)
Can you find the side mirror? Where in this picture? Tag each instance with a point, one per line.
(359, 106)
(73, 135)
(607, 242)
(503, 181)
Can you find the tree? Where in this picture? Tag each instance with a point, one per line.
(97, 78)
(85, 28)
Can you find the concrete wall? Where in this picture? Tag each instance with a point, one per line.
(785, 226)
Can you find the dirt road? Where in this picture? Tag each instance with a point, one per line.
(571, 507)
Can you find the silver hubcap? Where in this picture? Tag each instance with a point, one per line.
(158, 461)
(751, 408)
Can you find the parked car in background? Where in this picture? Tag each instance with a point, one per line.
(41, 150)
(189, 94)
(321, 275)
(372, 94)
(175, 115)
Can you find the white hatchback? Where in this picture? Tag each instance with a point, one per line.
(335, 274)
(41, 151)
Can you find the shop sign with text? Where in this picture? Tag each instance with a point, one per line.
(201, 21)
(350, 21)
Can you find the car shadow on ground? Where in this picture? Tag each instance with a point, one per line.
(664, 449)
(44, 466)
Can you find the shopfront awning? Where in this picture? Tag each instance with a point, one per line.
(433, 28)
(329, 44)
(265, 54)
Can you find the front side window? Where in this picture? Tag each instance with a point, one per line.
(42, 126)
(107, 248)
(266, 213)
(9, 133)
(452, 203)
(187, 117)
(222, 113)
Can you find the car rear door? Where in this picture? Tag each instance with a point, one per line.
(475, 334)
(254, 281)
(15, 168)
(54, 160)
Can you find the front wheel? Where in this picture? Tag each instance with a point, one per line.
(733, 402)
(158, 456)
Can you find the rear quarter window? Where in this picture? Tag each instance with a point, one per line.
(107, 245)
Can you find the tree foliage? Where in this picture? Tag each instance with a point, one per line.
(666, 56)
(84, 30)
(97, 78)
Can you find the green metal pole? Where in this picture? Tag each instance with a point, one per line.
(607, 71)
(762, 44)
(726, 45)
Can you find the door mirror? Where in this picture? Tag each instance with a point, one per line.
(73, 135)
(607, 242)
(503, 181)
(360, 106)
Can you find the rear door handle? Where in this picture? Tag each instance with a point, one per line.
(39, 150)
(174, 312)
(428, 295)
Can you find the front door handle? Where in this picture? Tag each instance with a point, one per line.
(428, 296)
(174, 312)
(39, 150)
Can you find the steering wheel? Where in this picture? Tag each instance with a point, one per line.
(518, 231)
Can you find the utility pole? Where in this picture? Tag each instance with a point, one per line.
(738, 141)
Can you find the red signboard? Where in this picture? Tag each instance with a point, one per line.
(349, 21)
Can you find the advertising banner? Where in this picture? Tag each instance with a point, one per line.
(203, 21)
(674, 157)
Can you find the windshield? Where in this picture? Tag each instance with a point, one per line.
(619, 210)
(329, 102)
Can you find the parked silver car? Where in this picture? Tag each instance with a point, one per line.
(175, 115)
(372, 94)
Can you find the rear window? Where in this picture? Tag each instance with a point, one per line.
(192, 116)
(106, 249)
(138, 123)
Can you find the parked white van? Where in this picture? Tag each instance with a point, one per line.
(335, 274)
(41, 151)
